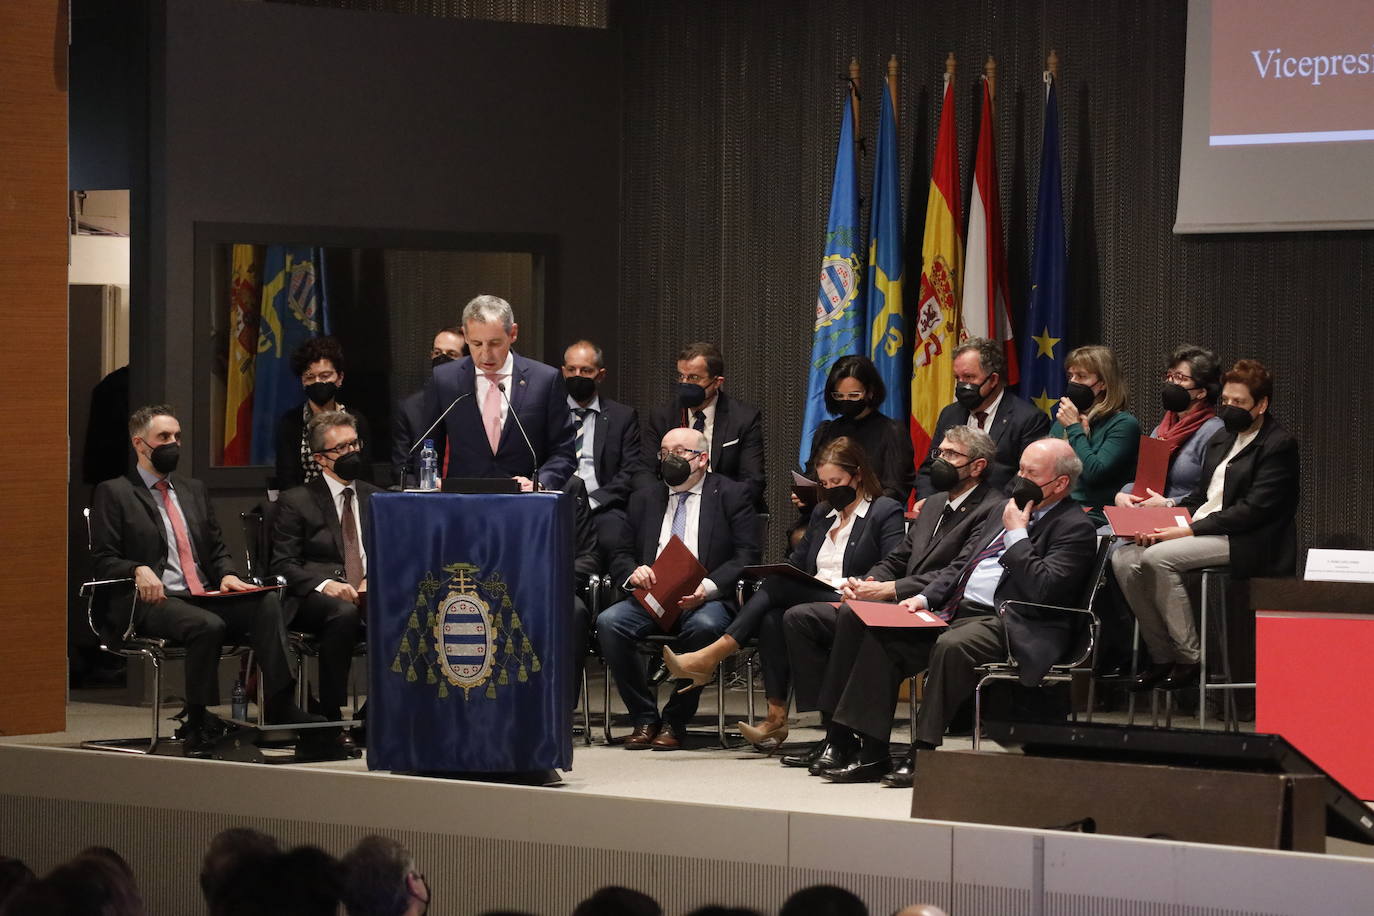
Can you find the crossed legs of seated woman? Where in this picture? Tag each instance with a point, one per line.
(761, 616)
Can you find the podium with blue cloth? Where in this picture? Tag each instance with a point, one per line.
(469, 614)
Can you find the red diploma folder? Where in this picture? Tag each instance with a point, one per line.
(252, 591)
(676, 575)
(806, 490)
(1152, 467)
(1135, 519)
(883, 614)
(787, 570)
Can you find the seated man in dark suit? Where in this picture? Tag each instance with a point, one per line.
(158, 528)
(981, 400)
(484, 389)
(733, 429)
(934, 540)
(409, 423)
(606, 443)
(714, 517)
(317, 546)
(1038, 549)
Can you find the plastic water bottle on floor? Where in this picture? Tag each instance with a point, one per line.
(429, 467)
(238, 702)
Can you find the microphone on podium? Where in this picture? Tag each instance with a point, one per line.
(534, 478)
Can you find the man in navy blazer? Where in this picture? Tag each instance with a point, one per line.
(484, 440)
(411, 419)
(605, 439)
(733, 428)
(714, 517)
(981, 400)
(1039, 552)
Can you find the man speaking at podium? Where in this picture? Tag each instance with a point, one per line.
(507, 416)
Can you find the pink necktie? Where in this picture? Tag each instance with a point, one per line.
(491, 410)
(188, 560)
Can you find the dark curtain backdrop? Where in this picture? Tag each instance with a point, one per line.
(730, 123)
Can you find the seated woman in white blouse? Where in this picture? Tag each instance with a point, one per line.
(849, 532)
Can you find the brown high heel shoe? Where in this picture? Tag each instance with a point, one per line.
(673, 663)
(764, 737)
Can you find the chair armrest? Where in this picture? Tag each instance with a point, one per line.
(96, 584)
(1006, 636)
(261, 581)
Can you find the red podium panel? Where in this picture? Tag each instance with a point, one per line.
(1312, 667)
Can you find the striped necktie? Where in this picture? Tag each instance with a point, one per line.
(993, 549)
(581, 414)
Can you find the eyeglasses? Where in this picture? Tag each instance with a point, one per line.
(679, 452)
(694, 379)
(847, 396)
(1178, 378)
(328, 375)
(343, 448)
(946, 453)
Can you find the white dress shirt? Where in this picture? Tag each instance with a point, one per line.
(483, 385)
(690, 534)
(710, 411)
(1217, 485)
(830, 558)
(991, 414)
(336, 490)
(173, 579)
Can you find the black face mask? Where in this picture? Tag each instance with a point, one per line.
(321, 393)
(1081, 396)
(943, 475)
(164, 458)
(689, 395)
(1237, 419)
(1175, 397)
(440, 360)
(1025, 490)
(674, 470)
(580, 388)
(351, 466)
(968, 394)
(846, 410)
(839, 497)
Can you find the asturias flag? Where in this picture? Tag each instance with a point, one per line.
(1042, 339)
(245, 290)
(937, 313)
(292, 312)
(887, 330)
(987, 302)
(839, 304)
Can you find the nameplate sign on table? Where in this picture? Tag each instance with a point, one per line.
(787, 571)
(676, 575)
(1132, 520)
(807, 491)
(1151, 467)
(1324, 565)
(884, 614)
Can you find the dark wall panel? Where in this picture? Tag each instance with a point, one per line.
(730, 122)
(285, 115)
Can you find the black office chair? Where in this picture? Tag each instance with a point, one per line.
(128, 643)
(1078, 661)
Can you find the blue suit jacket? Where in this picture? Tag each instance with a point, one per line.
(537, 396)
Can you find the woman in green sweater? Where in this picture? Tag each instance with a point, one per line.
(1104, 436)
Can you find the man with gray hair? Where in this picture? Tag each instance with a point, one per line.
(1039, 549)
(497, 399)
(380, 879)
(981, 401)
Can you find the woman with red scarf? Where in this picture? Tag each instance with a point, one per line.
(1191, 386)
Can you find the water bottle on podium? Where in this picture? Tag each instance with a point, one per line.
(429, 467)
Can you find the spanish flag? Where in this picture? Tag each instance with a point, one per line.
(936, 333)
(245, 288)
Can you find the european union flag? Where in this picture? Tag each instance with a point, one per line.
(292, 312)
(1042, 341)
(887, 328)
(839, 304)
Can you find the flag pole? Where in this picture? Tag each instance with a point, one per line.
(1051, 70)
(892, 86)
(854, 94)
(990, 76)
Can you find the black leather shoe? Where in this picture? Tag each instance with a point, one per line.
(833, 758)
(855, 771)
(359, 735)
(903, 774)
(806, 757)
(1182, 676)
(1151, 676)
(199, 740)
